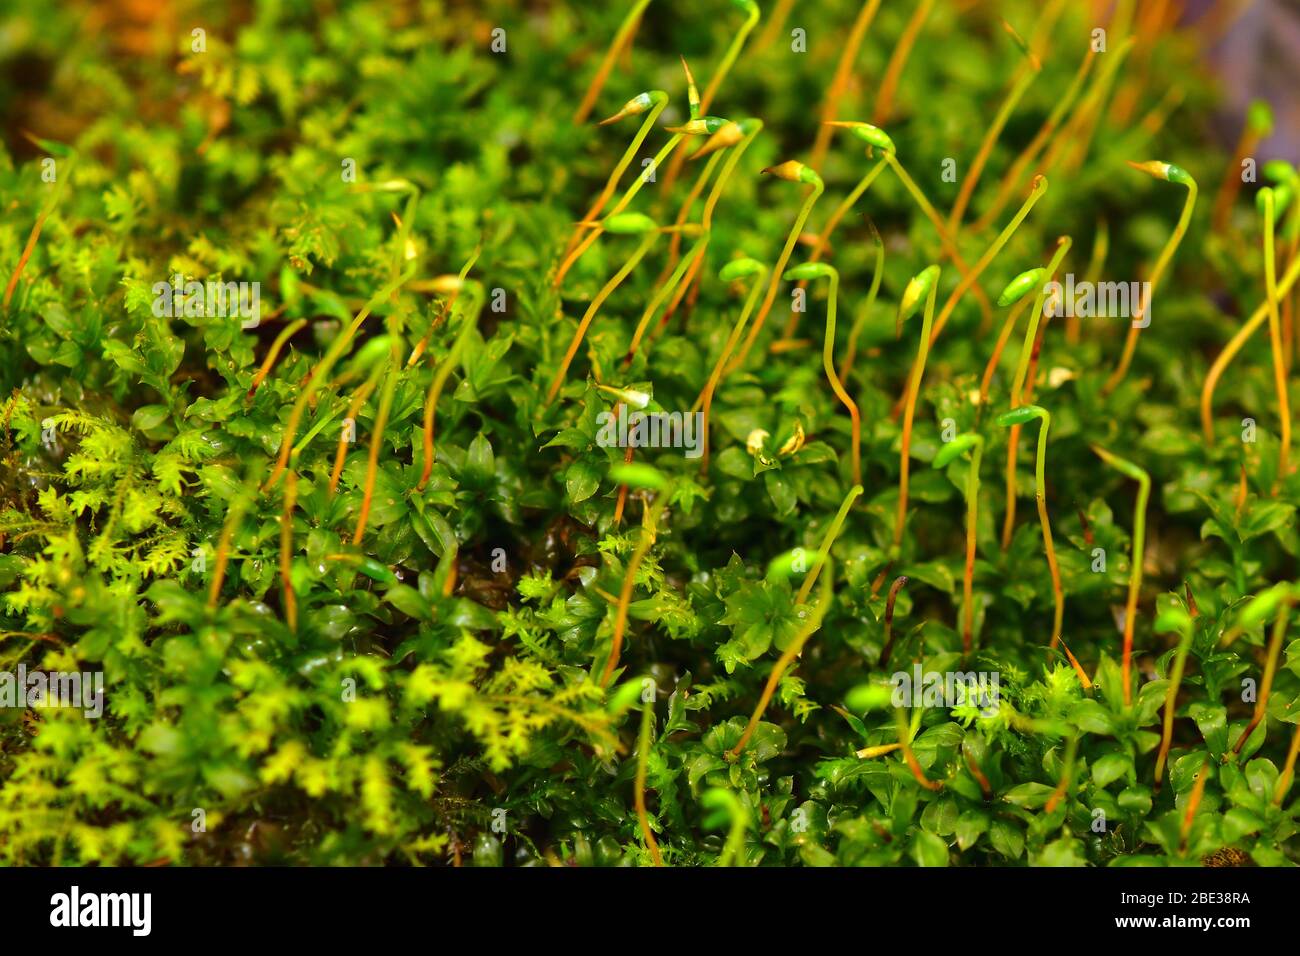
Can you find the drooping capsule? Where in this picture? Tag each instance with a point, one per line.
(700, 126)
(1259, 119)
(871, 135)
(808, 270)
(866, 697)
(1018, 416)
(1278, 171)
(954, 449)
(1122, 465)
(917, 289)
(629, 223)
(792, 562)
(636, 105)
(741, 269)
(1262, 199)
(794, 171)
(1166, 171)
(1263, 606)
(729, 135)
(1282, 196)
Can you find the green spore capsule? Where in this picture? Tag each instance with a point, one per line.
(1259, 119)
(636, 105)
(795, 562)
(917, 289)
(808, 270)
(1263, 606)
(700, 126)
(1279, 171)
(1166, 171)
(867, 697)
(1018, 416)
(793, 171)
(1176, 174)
(629, 224)
(741, 269)
(954, 449)
(1262, 199)
(373, 351)
(871, 135)
(874, 136)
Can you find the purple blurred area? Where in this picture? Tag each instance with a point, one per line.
(1255, 51)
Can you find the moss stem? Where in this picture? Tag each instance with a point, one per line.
(1139, 475)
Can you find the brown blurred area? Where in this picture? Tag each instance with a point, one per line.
(135, 27)
(133, 30)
